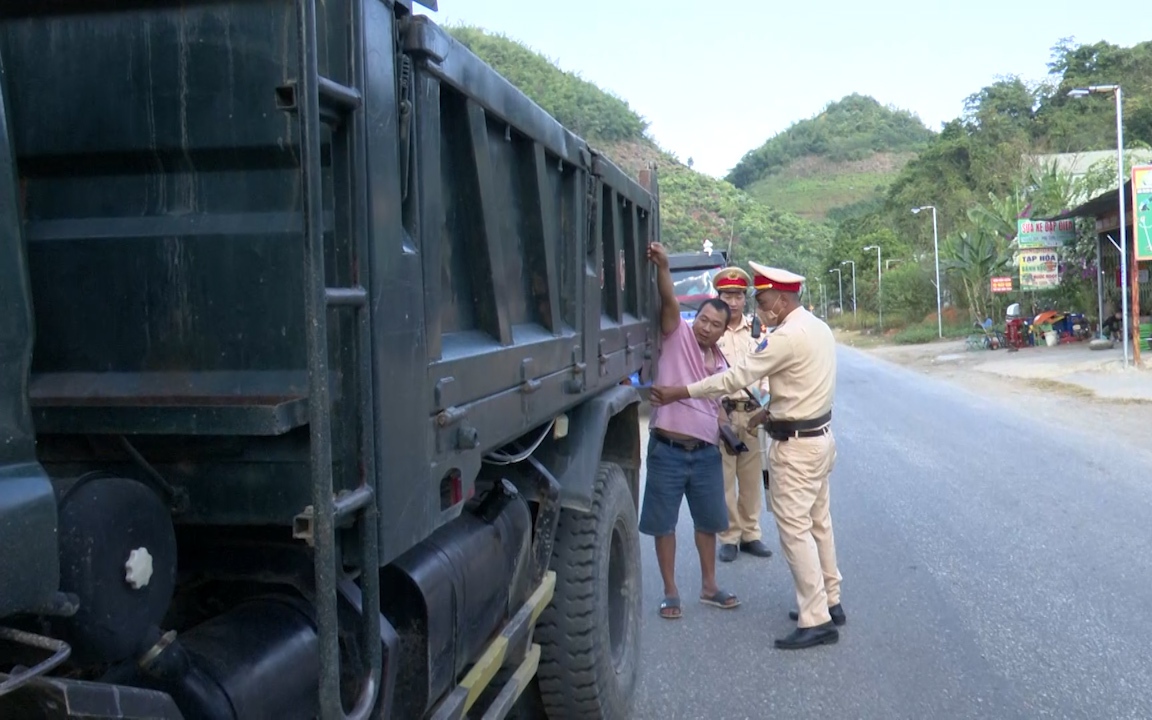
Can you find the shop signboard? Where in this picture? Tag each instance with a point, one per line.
(1041, 234)
(1142, 211)
(1002, 284)
(1039, 269)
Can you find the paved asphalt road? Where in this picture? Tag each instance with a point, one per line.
(995, 566)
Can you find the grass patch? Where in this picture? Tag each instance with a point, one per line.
(858, 340)
(863, 322)
(926, 332)
(1064, 388)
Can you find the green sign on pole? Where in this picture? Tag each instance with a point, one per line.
(1038, 234)
(1142, 210)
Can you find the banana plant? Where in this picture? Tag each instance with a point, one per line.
(998, 217)
(974, 258)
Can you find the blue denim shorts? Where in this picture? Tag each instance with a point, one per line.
(675, 473)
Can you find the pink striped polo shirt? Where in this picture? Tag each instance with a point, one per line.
(682, 363)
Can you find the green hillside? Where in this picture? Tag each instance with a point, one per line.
(818, 189)
(579, 105)
(694, 207)
(832, 164)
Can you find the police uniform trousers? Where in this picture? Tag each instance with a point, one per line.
(798, 494)
(743, 485)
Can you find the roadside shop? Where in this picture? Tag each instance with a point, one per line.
(1104, 211)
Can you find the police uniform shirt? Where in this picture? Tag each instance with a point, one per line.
(737, 344)
(799, 361)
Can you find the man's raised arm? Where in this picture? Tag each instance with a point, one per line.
(669, 305)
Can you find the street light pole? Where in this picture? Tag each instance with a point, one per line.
(879, 287)
(841, 276)
(853, 264)
(936, 252)
(1121, 200)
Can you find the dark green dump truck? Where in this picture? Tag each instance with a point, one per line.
(314, 342)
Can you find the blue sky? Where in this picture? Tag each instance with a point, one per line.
(716, 79)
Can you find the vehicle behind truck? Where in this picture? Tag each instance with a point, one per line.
(692, 275)
(313, 373)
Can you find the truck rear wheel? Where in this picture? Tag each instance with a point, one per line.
(589, 635)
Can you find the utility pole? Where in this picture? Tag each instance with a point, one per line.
(879, 287)
(936, 251)
(841, 276)
(853, 264)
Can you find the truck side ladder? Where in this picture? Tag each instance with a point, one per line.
(315, 100)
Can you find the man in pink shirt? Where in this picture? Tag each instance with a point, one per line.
(683, 446)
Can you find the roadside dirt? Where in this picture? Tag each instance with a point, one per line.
(1086, 417)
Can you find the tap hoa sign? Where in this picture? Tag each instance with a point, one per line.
(1039, 269)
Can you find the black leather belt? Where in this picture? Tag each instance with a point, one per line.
(786, 436)
(688, 445)
(783, 430)
(741, 405)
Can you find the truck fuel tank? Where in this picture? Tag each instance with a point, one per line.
(447, 596)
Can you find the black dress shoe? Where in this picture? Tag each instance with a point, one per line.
(801, 638)
(757, 548)
(727, 552)
(836, 611)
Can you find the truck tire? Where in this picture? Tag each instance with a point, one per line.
(589, 634)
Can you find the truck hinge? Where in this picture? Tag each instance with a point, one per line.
(528, 384)
(575, 384)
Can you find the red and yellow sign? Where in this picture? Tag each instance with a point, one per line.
(1002, 284)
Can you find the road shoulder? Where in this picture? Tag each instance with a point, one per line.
(1087, 393)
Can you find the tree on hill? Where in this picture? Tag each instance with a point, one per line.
(852, 128)
(1065, 124)
(581, 106)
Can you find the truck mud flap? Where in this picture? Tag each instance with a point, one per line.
(513, 644)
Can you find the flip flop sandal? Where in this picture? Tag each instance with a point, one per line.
(721, 599)
(670, 603)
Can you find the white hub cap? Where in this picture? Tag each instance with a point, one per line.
(138, 569)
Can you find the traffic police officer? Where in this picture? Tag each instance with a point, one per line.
(799, 360)
(743, 481)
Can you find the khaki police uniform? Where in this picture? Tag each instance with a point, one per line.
(799, 361)
(743, 477)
